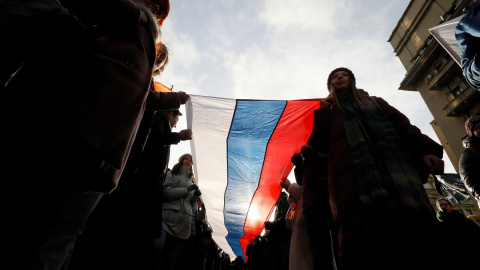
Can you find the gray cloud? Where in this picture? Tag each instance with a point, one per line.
(279, 49)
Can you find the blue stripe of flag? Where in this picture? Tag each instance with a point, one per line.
(253, 124)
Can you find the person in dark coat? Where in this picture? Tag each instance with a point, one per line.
(58, 249)
(134, 209)
(311, 174)
(467, 34)
(87, 105)
(200, 246)
(461, 233)
(380, 209)
(279, 235)
(311, 171)
(156, 154)
(470, 158)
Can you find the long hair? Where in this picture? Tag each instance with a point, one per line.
(357, 96)
(176, 167)
(161, 60)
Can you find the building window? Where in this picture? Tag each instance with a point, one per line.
(457, 91)
(440, 65)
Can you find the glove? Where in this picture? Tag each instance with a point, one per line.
(185, 134)
(297, 160)
(192, 187)
(197, 192)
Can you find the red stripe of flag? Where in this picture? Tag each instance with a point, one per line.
(292, 132)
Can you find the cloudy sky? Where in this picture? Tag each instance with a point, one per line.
(283, 49)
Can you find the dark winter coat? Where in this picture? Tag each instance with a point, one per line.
(316, 209)
(469, 167)
(463, 234)
(156, 153)
(360, 229)
(328, 136)
(33, 29)
(113, 88)
(76, 108)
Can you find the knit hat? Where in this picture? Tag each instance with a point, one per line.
(471, 122)
(350, 73)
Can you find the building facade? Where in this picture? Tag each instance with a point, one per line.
(432, 72)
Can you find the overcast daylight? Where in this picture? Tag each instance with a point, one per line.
(267, 166)
(284, 50)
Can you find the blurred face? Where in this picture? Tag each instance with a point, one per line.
(340, 80)
(159, 66)
(445, 206)
(187, 161)
(476, 130)
(174, 121)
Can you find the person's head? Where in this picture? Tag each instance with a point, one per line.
(173, 116)
(161, 60)
(343, 80)
(184, 160)
(151, 17)
(159, 8)
(472, 126)
(444, 205)
(199, 203)
(163, 10)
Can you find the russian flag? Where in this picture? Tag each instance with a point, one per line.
(241, 151)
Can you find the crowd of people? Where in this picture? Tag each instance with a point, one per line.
(359, 198)
(92, 188)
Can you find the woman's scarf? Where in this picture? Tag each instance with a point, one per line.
(384, 170)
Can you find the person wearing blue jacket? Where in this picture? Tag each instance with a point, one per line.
(467, 34)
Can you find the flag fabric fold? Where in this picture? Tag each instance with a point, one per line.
(242, 150)
(444, 33)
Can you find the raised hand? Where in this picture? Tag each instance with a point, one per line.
(183, 97)
(185, 134)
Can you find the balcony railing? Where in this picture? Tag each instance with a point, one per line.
(461, 103)
(445, 75)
